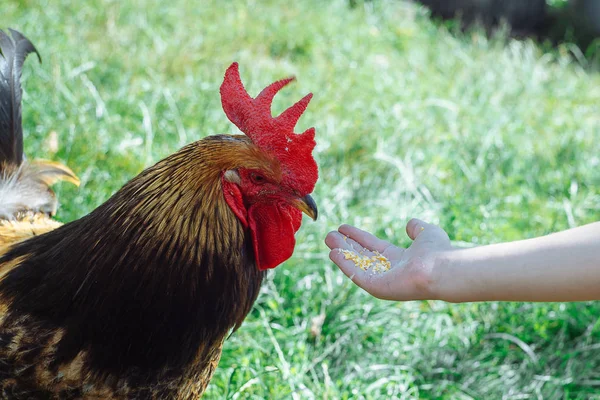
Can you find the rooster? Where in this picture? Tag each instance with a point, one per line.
(135, 299)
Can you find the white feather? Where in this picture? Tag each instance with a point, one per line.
(21, 192)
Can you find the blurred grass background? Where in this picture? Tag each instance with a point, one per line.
(495, 139)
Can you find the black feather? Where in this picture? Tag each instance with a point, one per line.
(14, 48)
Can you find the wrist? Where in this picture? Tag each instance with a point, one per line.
(446, 277)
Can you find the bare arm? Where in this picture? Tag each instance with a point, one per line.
(564, 266)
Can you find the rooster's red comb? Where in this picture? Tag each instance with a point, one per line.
(276, 135)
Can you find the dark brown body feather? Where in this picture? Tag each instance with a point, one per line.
(135, 299)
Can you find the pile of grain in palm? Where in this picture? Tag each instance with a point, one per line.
(376, 263)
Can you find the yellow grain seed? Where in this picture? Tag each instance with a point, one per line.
(377, 263)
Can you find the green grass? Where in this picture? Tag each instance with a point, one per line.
(491, 138)
(557, 3)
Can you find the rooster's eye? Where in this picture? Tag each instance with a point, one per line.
(257, 178)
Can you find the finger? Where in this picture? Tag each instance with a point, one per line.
(336, 240)
(365, 239)
(416, 228)
(362, 278)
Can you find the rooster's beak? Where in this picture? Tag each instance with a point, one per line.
(307, 205)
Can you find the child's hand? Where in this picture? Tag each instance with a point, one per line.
(412, 275)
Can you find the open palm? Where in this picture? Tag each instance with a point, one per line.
(412, 272)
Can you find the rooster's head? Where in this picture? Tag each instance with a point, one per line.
(271, 190)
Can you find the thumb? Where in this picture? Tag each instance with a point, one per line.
(415, 228)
